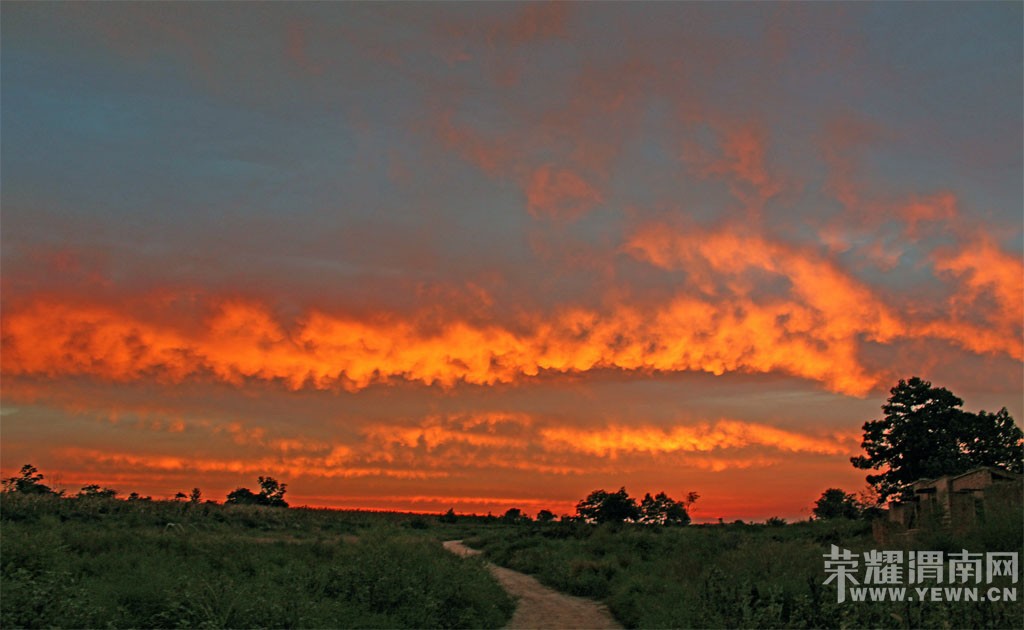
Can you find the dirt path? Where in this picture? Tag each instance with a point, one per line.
(539, 606)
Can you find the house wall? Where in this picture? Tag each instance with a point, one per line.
(977, 480)
(961, 502)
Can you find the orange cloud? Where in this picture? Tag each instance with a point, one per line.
(842, 146)
(744, 303)
(941, 207)
(827, 306)
(332, 465)
(480, 430)
(743, 162)
(986, 310)
(241, 341)
(559, 193)
(704, 437)
(809, 329)
(475, 461)
(488, 154)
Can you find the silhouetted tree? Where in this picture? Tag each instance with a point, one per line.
(242, 496)
(195, 496)
(926, 434)
(29, 481)
(95, 491)
(449, 516)
(992, 439)
(608, 507)
(271, 494)
(515, 515)
(545, 516)
(834, 503)
(662, 510)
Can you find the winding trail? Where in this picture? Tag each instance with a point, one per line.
(539, 606)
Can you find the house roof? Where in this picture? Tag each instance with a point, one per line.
(995, 471)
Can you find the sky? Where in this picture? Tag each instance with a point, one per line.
(488, 255)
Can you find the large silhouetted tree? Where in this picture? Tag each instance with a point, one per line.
(925, 434)
(662, 510)
(271, 493)
(608, 507)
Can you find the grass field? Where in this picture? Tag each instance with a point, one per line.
(738, 576)
(86, 563)
(102, 562)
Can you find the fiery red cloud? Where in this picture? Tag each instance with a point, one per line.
(724, 321)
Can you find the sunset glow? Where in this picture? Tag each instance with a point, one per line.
(492, 255)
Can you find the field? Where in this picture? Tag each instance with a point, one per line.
(102, 562)
(735, 576)
(99, 562)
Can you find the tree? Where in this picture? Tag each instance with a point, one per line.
(925, 434)
(195, 496)
(29, 481)
(95, 491)
(545, 516)
(449, 516)
(271, 494)
(992, 439)
(515, 515)
(662, 510)
(242, 496)
(834, 503)
(608, 507)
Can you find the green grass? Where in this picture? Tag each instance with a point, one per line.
(111, 563)
(107, 563)
(735, 576)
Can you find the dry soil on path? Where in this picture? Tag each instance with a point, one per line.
(539, 606)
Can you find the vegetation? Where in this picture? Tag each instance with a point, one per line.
(618, 507)
(834, 503)
(925, 434)
(96, 561)
(271, 494)
(28, 481)
(736, 576)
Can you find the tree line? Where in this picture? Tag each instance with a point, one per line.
(30, 481)
(601, 506)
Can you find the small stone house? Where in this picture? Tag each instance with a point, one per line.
(960, 500)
